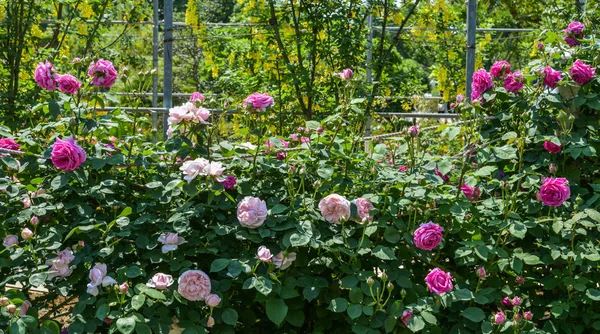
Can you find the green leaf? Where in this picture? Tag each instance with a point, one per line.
(310, 292)
(279, 208)
(444, 166)
(356, 295)
(325, 172)
(416, 323)
(263, 285)
(593, 294)
(141, 328)
(505, 152)
(383, 253)
(485, 171)
(313, 125)
(50, 327)
(338, 305)
(134, 271)
(218, 265)
(37, 279)
(229, 316)
(391, 235)
(390, 323)
(126, 325)
(154, 294)
(462, 294)
(102, 311)
(474, 314)
(354, 311)
(429, 318)
(530, 259)
(276, 310)
(298, 239)
(138, 301)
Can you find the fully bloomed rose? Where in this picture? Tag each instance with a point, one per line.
(67, 155)
(259, 101)
(439, 281)
(9, 144)
(10, 240)
(160, 281)
(194, 285)
(514, 82)
(170, 241)
(428, 236)
(264, 254)
(581, 72)
(68, 84)
(363, 209)
(335, 208)
(59, 266)
(98, 278)
(551, 77)
(472, 193)
(551, 147)
(573, 33)
(482, 81)
(45, 76)
(252, 212)
(554, 191)
(500, 69)
(282, 261)
(103, 73)
(201, 166)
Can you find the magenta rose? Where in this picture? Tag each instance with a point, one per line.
(346, 74)
(499, 318)
(573, 33)
(197, 97)
(335, 208)
(194, 285)
(406, 315)
(554, 191)
(413, 130)
(445, 178)
(551, 147)
(229, 182)
(428, 236)
(68, 84)
(252, 212)
(482, 81)
(500, 69)
(472, 193)
(103, 73)
(259, 101)
(45, 75)
(551, 77)
(67, 155)
(439, 281)
(514, 82)
(9, 144)
(581, 72)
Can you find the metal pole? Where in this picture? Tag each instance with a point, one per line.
(471, 31)
(155, 66)
(369, 74)
(168, 62)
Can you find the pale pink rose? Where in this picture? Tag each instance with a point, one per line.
(581, 72)
(346, 74)
(160, 281)
(178, 115)
(59, 266)
(26, 234)
(554, 191)
(98, 278)
(264, 254)
(25, 307)
(123, 288)
(282, 261)
(68, 84)
(259, 101)
(213, 300)
(514, 82)
(294, 136)
(201, 115)
(481, 272)
(439, 281)
(210, 322)
(214, 169)
(9, 144)
(26, 202)
(193, 168)
(551, 77)
(252, 212)
(10, 240)
(67, 155)
(103, 73)
(170, 241)
(197, 97)
(76, 60)
(194, 285)
(45, 75)
(363, 209)
(516, 301)
(500, 69)
(459, 98)
(482, 81)
(335, 208)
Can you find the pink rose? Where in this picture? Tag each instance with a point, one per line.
(252, 212)
(472, 193)
(264, 254)
(26, 202)
(363, 209)
(68, 84)
(507, 302)
(500, 69)
(59, 266)
(123, 288)
(294, 136)
(98, 278)
(305, 140)
(439, 281)
(170, 241)
(25, 307)
(481, 272)
(9, 144)
(413, 130)
(213, 300)
(11, 308)
(160, 281)
(10, 240)
(528, 315)
(197, 97)
(406, 315)
(459, 98)
(26, 234)
(403, 168)
(514, 82)
(103, 73)
(499, 318)
(34, 220)
(194, 285)
(553, 168)
(282, 261)
(571, 41)
(516, 301)
(210, 322)
(575, 28)
(554, 191)
(428, 236)
(45, 76)
(346, 74)
(482, 81)
(259, 101)
(581, 72)
(67, 155)
(201, 166)
(335, 208)
(551, 77)
(540, 46)
(229, 182)
(551, 147)
(444, 177)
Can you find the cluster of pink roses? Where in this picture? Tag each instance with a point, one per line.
(336, 208)
(102, 72)
(574, 33)
(282, 260)
(510, 304)
(270, 145)
(192, 168)
(189, 112)
(60, 266)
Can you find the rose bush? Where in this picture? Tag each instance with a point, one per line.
(199, 233)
